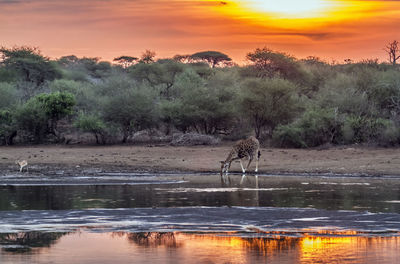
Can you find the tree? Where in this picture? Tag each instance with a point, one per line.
(183, 58)
(40, 114)
(148, 56)
(393, 51)
(269, 63)
(128, 105)
(56, 106)
(30, 65)
(93, 124)
(126, 61)
(32, 119)
(170, 69)
(148, 72)
(268, 103)
(213, 58)
(84, 69)
(8, 95)
(8, 130)
(198, 106)
(68, 60)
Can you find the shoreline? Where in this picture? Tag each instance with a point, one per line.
(360, 161)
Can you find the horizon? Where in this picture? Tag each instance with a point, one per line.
(333, 30)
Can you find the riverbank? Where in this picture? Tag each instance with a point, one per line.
(344, 160)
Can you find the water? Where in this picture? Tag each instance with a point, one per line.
(124, 190)
(86, 247)
(101, 217)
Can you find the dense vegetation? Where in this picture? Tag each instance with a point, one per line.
(285, 101)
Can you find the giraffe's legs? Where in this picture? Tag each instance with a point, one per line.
(227, 169)
(257, 159)
(256, 165)
(242, 179)
(248, 165)
(241, 165)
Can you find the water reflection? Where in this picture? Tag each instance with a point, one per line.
(154, 239)
(167, 247)
(26, 242)
(376, 195)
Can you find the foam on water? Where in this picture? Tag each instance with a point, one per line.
(199, 219)
(234, 189)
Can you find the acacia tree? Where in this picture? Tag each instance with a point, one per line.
(213, 58)
(269, 63)
(126, 61)
(183, 58)
(30, 65)
(148, 56)
(268, 103)
(393, 50)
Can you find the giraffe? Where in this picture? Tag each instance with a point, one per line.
(243, 149)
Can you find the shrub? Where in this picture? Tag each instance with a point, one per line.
(8, 95)
(358, 129)
(92, 124)
(268, 103)
(32, 119)
(289, 136)
(191, 139)
(315, 127)
(40, 114)
(8, 129)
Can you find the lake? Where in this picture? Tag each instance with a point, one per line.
(122, 217)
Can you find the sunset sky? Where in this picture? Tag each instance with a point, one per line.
(330, 29)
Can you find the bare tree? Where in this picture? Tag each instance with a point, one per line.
(393, 50)
(148, 56)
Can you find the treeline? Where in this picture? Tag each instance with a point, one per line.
(284, 101)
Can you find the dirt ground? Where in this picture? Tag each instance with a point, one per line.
(344, 160)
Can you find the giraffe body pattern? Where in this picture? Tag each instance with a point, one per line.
(244, 149)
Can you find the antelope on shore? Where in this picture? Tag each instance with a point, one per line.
(22, 164)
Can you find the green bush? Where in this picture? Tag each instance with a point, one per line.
(31, 118)
(92, 124)
(8, 129)
(315, 127)
(132, 107)
(358, 129)
(289, 136)
(203, 106)
(267, 103)
(8, 95)
(39, 115)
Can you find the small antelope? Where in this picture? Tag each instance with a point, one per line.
(22, 164)
(244, 149)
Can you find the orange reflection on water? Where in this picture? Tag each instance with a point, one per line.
(328, 247)
(349, 249)
(176, 247)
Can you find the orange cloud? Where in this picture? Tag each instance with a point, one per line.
(107, 29)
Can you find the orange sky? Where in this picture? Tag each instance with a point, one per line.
(331, 29)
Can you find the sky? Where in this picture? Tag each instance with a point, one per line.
(333, 30)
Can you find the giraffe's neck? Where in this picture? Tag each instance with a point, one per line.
(231, 156)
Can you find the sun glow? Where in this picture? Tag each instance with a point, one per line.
(296, 13)
(291, 8)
